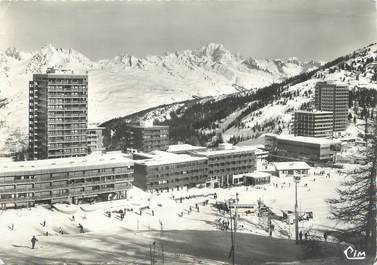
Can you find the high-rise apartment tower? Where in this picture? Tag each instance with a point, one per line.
(58, 114)
(332, 97)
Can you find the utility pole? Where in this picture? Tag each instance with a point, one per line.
(232, 230)
(296, 180)
(231, 235)
(234, 234)
(162, 250)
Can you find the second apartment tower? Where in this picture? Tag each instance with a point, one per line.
(58, 114)
(332, 97)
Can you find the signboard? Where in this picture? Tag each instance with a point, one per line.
(297, 178)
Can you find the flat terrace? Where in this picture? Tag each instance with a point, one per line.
(87, 162)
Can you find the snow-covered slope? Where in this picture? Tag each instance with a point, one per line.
(360, 70)
(126, 84)
(242, 116)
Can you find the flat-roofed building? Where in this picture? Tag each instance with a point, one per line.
(226, 161)
(335, 98)
(58, 114)
(313, 123)
(288, 147)
(95, 139)
(145, 137)
(89, 178)
(252, 179)
(184, 148)
(159, 170)
(292, 168)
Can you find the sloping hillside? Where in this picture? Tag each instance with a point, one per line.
(246, 115)
(126, 84)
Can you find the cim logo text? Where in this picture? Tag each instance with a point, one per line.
(354, 254)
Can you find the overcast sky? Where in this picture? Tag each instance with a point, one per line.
(308, 29)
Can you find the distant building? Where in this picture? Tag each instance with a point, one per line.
(58, 114)
(290, 169)
(226, 161)
(65, 180)
(334, 98)
(313, 123)
(252, 179)
(288, 147)
(146, 137)
(160, 170)
(95, 139)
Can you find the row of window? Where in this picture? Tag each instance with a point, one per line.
(166, 181)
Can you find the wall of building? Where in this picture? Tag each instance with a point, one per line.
(222, 166)
(287, 149)
(313, 124)
(25, 188)
(331, 97)
(166, 176)
(58, 115)
(95, 140)
(147, 139)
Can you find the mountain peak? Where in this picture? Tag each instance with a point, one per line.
(50, 56)
(216, 52)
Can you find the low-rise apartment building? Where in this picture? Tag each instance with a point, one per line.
(145, 137)
(288, 147)
(226, 161)
(313, 123)
(90, 178)
(160, 170)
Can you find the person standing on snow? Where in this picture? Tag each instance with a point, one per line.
(33, 240)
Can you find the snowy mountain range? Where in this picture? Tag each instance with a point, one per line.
(246, 115)
(126, 84)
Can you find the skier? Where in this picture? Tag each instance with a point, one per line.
(33, 240)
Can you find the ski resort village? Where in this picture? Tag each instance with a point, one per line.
(213, 179)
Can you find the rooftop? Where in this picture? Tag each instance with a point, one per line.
(304, 139)
(184, 147)
(96, 159)
(314, 112)
(291, 165)
(332, 83)
(233, 149)
(148, 126)
(165, 158)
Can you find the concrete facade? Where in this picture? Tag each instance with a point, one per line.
(146, 138)
(313, 123)
(58, 115)
(95, 139)
(334, 98)
(164, 171)
(227, 161)
(288, 147)
(94, 177)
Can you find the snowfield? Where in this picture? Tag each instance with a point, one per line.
(165, 214)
